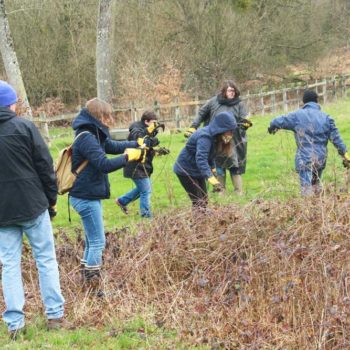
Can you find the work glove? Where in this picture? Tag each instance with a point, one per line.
(346, 160)
(246, 124)
(137, 154)
(272, 130)
(217, 187)
(52, 211)
(154, 125)
(189, 132)
(162, 151)
(148, 141)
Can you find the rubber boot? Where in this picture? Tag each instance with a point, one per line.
(93, 281)
(237, 184)
(82, 269)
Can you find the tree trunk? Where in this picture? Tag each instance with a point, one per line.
(11, 65)
(104, 50)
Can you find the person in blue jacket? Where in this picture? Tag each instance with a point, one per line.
(312, 130)
(92, 185)
(195, 163)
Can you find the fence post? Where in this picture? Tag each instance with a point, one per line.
(262, 102)
(177, 113)
(134, 112)
(334, 82)
(298, 96)
(44, 128)
(273, 101)
(248, 101)
(343, 86)
(131, 107)
(285, 101)
(196, 98)
(324, 91)
(316, 81)
(157, 109)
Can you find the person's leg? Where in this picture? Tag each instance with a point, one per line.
(12, 286)
(221, 175)
(236, 179)
(305, 177)
(194, 188)
(40, 236)
(144, 188)
(316, 180)
(130, 196)
(90, 212)
(202, 194)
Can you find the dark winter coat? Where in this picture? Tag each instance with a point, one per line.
(312, 129)
(137, 170)
(213, 107)
(92, 183)
(197, 158)
(27, 179)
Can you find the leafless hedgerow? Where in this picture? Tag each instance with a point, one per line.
(267, 275)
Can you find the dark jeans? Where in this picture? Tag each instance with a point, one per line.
(196, 189)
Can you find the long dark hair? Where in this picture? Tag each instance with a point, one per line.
(223, 148)
(231, 84)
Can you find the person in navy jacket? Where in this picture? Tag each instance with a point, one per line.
(92, 185)
(312, 130)
(195, 163)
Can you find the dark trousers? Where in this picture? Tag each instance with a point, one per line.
(196, 189)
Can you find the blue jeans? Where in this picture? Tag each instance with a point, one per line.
(143, 191)
(310, 181)
(90, 212)
(40, 236)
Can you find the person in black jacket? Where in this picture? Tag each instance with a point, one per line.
(140, 172)
(27, 190)
(92, 185)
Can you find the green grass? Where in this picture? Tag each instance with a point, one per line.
(270, 173)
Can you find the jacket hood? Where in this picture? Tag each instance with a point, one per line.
(221, 123)
(84, 118)
(312, 105)
(6, 114)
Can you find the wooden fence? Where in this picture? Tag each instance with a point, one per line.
(180, 114)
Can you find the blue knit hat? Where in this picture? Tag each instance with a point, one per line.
(8, 94)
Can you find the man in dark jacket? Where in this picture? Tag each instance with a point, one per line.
(312, 130)
(140, 172)
(28, 189)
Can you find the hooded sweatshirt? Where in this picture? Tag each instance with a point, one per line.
(197, 158)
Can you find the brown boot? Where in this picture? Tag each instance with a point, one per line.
(59, 323)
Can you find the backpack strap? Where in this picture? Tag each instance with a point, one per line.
(82, 166)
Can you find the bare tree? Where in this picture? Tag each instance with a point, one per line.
(9, 57)
(104, 50)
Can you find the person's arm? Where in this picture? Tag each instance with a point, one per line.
(43, 165)
(90, 149)
(203, 115)
(242, 111)
(335, 138)
(118, 147)
(287, 122)
(202, 156)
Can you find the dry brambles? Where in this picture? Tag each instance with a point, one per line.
(270, 275)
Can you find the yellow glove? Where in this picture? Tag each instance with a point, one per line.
(138, 154)
(346, 160)
(189, 132)
(152, 127)
(246, 123)
(141, 141)
(217, 187)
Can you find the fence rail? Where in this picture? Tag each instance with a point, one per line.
(179, 113)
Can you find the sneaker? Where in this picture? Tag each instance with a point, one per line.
(16, 333)
(59, 323)
(122, 207)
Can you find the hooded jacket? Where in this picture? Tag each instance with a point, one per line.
(92, 183)
(27, 179)
(312, 130)
(197, 158)
(137, 170)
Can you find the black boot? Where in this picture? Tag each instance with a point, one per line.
(93, 280)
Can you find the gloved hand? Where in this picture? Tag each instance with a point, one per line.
(215, 173)
(217, 187)
(272, 130)
(346, 160)
(52, 211)
(148, 141)
(162, 151)
(138, 154)
(246, 124)
(189, 132)
(153, 126)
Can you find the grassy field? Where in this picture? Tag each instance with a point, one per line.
(270, 174)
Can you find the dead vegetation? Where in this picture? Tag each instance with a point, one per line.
(270, 275)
